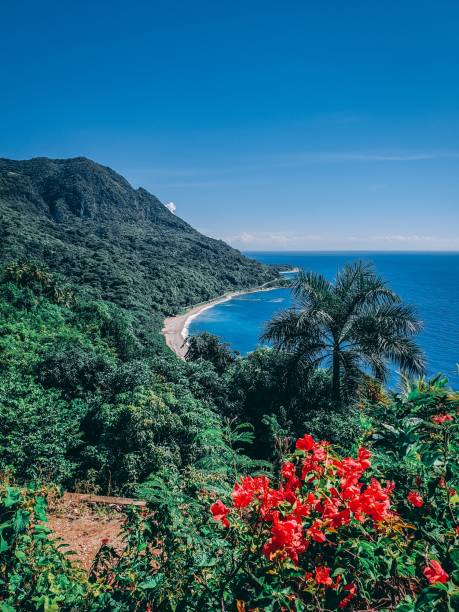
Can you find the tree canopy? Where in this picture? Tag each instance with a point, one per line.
(353, 325)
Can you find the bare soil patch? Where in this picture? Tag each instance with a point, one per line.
(83, 526)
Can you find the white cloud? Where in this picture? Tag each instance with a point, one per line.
(410, 238)
(297, 241)
(171, 206)
(363, 156)
(275, 239)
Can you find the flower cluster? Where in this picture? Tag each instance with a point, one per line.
(435, 573)
(439, 419)
(415, 499)
(318, 494)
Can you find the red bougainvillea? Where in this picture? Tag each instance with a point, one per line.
(439, 419)
(415, 499)
(435, 573)
(326, 531)
(220, 512)
(317, 494)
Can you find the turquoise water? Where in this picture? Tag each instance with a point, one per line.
(429, 281)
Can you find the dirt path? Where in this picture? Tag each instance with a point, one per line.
(85, 522)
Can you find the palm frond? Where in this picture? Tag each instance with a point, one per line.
(311, 289)
(359, 318)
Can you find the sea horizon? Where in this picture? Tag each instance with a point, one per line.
(350, 251)
(421, 279)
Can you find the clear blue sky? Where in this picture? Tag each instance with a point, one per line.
(282, 125)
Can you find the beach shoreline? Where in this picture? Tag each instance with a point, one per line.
(176, 328)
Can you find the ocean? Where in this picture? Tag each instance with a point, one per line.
(428, 281)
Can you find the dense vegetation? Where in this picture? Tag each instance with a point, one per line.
(82, 400)
(374, 530)
(88, 404)
(87, 223)
(248, 507)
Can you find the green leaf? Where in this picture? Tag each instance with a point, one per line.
(12, 497)
(21, 520)
(19, 554)
(3, 545)
(152, 583)
(40, 509)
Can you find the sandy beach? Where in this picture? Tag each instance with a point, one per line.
(175, 328)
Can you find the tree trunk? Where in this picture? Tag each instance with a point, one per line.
(336, 382)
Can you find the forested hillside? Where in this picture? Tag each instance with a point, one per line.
(87, 223)
(290, 479)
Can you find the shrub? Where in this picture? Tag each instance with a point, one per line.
(35, 573)
(38, 429)
(208, 347)
(326, 533)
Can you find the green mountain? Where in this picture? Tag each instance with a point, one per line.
(89, 224)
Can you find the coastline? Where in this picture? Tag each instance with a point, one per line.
(175, 329)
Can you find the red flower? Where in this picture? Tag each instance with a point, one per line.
(363, 457)
(323, 576)
(301, 509)
(319, 453)
(288, 470)
(220, 512)
(244, 492)
(352, 592)
(286, 539)
(435, 573)
(341, 518)
(415, 499)
(104, 541)
(305, 443)
(241, 496)
(315, 533)
(374, 501)
(442, 418)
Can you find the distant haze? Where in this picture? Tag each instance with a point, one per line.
(293, 126)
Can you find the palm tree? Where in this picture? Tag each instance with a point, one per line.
(354, 325)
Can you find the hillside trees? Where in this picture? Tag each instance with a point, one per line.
(84, 397)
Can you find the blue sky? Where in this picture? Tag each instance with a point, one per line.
(272, 125)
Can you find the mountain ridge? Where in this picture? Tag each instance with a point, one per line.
(86, 221)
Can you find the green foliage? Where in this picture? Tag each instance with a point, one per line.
(90, 397)
(87, 223)
(143, 431)
(343, 428)
(40, 280)
(39, 429)
(208, 347)
(35, 571)
(175, 556)
(268, 390)
(383, 567)
(419, 448)
(84, 399)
